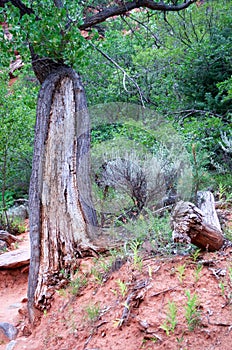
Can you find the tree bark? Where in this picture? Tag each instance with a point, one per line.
(62, 218)
(192, 225)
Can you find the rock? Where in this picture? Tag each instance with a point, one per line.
(9, 330)
(15, 306)
(11, 345)
(15, 258)
(18, 211)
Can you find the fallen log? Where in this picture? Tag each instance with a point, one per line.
(199, 226)
(15, 258)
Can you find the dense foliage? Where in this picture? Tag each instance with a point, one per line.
(176, 64)
(17, 117)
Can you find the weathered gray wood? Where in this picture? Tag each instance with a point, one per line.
(189, 225)
(61, 211)
(206, 203)
(15, 258)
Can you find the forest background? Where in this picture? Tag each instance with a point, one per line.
(177, 65)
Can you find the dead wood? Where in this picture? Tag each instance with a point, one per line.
(206, 203)
(8, 238)
(200, 227)
(14, 259)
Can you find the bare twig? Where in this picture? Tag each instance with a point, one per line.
(163, 291)
(125, 74)
(126, 310)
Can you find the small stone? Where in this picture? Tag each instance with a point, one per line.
(11, 345)
(9, 330)
(15, 306)
(26, 331)
(24, 300)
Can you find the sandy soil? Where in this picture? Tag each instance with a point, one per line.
(129, 308)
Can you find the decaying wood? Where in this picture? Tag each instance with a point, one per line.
(14, 259)
(62, 217)
(135, 297)
(8, 238)
(193, 225)
(206, 203)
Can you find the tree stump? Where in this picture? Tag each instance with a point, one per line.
(200, 227)
(206, 203)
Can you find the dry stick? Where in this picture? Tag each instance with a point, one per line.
(218, 323)
(92, 333)
(125, 74)
(131, 296)
(126, 309)
(163, 291)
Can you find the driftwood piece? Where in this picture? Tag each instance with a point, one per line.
(193, 225)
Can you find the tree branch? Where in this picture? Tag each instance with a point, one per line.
(128, 6)
(125, 74)
(20, 5)
(112, 11)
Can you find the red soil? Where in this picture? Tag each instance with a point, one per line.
(130, 320)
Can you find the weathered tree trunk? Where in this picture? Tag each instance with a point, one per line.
(62, 218)
(199, 227)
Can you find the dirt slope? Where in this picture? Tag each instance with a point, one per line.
(128, 308)
(105, 316)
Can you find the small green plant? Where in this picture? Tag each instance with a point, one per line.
(137, 259)
(16, 245)
(195, 255)
(92, 312)
(62, 292)
(19, 225)
(64, 274)
(192, 313)
(122, 287)
(222, 287)
(230, 273)
(97, 275)
(180, 341)
(223, 193)
(180, 271)
(228, 233)
(4, 250)
(45, 312)
(197, 272)
(114, 291)
(225, 286)
(77, 284)
(170, 323)
(101, 267)
(152, 228)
